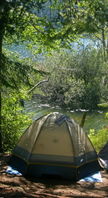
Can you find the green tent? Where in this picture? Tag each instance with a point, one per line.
(55, 145)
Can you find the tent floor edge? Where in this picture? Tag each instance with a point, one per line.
(88, 169)
(18, 164)
(40, 170)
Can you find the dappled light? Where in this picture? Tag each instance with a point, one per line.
(18, 186)
(53, 58)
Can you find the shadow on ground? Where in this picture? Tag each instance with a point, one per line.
(50, 187)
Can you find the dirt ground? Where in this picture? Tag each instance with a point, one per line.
(18, 186)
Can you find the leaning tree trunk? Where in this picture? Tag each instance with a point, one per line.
(43, 81)
(83, 119)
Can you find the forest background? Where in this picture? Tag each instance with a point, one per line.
(67, 47)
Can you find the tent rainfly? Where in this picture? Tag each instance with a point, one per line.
(55, 145)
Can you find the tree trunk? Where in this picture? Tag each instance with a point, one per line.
(0, 45)
(43, 81)
(1, 145)
(83, 119)
(107, 47)
(2, 30)
(4, 13)
(103, 43)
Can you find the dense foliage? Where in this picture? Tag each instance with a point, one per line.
(74, 78)
(13, 121)
(78, 79)
(98, 138)
(17, 77)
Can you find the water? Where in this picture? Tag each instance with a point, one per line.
(94, 120)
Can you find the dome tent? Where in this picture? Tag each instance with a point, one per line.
(55, 145)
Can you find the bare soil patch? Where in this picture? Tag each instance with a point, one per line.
(18, 186)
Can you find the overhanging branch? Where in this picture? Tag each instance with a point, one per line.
(43, 81)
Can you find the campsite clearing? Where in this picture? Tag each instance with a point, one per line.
(18, 186)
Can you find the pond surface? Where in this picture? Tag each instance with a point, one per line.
(94, 120)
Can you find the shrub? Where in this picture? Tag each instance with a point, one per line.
(99, 138)
(13, 121)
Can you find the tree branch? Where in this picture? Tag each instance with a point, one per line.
(43, 81)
